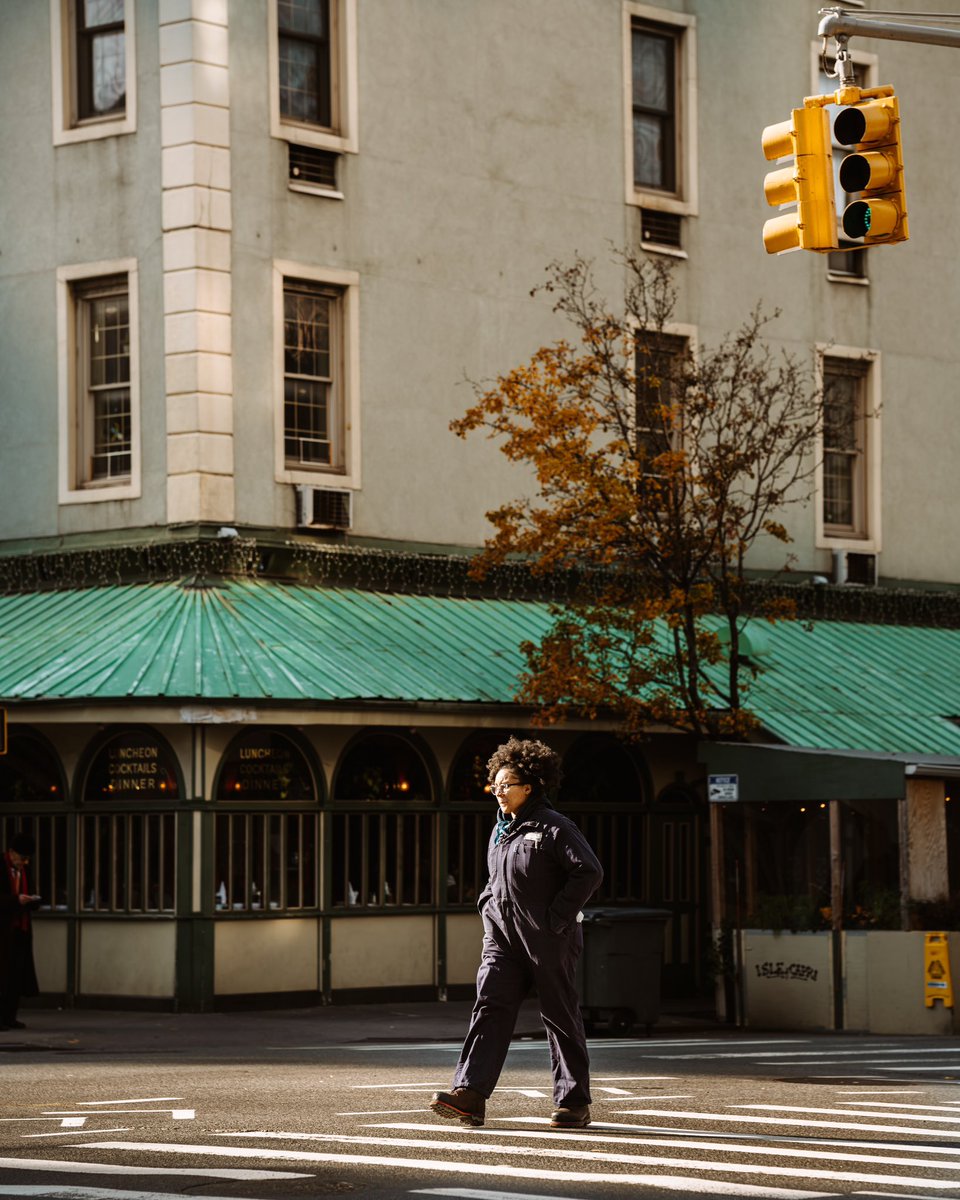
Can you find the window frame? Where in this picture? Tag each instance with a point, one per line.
(73, 486)
(869, 63)
(344, 104)
(868, 539)
(68, 125)
(681, 27)
(346, 284)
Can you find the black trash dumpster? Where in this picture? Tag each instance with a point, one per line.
(619, 972)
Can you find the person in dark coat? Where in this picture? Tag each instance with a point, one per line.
(542, 872)
(17, 975)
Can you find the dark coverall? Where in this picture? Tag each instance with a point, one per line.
(541, 874)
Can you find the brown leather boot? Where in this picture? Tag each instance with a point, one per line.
(460, 1104)
(570, 1118)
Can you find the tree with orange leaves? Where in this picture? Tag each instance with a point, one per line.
(658, 466)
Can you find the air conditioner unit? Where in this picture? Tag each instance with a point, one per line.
(853, 568)
(323, 508)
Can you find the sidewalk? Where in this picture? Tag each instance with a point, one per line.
(96, 1031)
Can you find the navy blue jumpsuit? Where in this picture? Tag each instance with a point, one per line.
(541, 874)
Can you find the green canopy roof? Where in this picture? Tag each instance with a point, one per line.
(829, 685)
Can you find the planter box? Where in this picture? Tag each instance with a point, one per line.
(788, 982)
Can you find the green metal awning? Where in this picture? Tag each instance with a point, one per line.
(830, 685)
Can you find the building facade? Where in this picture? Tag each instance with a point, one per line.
(252, 255)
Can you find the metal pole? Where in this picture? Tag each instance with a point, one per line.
(836, 22)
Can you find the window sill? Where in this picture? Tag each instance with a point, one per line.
(91, 495)
(669, 251)
(89, 131)
(312, 190)
(662, 203)
(856, 280)
(310, 135)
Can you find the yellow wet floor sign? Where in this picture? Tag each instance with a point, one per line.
(937, 984)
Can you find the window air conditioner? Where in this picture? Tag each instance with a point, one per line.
(851, 567)
(323, 508)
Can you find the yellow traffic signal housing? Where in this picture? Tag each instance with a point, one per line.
(875, 170)
(808, 183)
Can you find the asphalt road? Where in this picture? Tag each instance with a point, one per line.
(294, 1106)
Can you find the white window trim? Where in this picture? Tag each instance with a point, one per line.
(67, 384)
(345, 139)
(685, 200)
(348, 282)
(871, 62)
(871, 544)
(65, 128)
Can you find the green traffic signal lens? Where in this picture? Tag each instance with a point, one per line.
(856, 219)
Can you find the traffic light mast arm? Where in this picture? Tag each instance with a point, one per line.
(842, 25)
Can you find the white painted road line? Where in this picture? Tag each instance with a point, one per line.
(678, 1183)
(54, 1191)
(954, 1108)
(696, 1166)
(480, 1194)
(178, 1114)
(815, 1150)
(89, 1168)
(845, 1112)
(135, 1100)
(75, 1132)
(743, 1119)
(773, 1138)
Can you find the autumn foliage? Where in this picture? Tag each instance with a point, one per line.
(658, 465)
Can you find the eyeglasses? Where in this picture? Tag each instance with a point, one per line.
(496, 788)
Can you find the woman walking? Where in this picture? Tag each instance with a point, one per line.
(542, 872)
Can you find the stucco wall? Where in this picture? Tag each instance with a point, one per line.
(266, 956)
(379, 951)
(127, 958)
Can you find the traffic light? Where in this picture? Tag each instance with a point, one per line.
(875, 171)
(808, 183)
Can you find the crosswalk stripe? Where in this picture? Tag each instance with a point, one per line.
(772, 1138)
(93, 1168)
(730, 1147)
(744, 1119)
(54, 1191)
(480, 1194)
(844, 1112)
(646, 1160)
(668, 1182)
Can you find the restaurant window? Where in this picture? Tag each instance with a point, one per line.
(383, 826)
(32, 794)
(603, 790)
(267, 860)
(128, 851)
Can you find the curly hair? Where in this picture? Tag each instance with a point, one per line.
(534, 762)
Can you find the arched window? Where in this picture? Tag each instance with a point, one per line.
(384, 835)
(31, 785)
(132, 765)
(267, 860)
(603, 789)
(128, 849)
